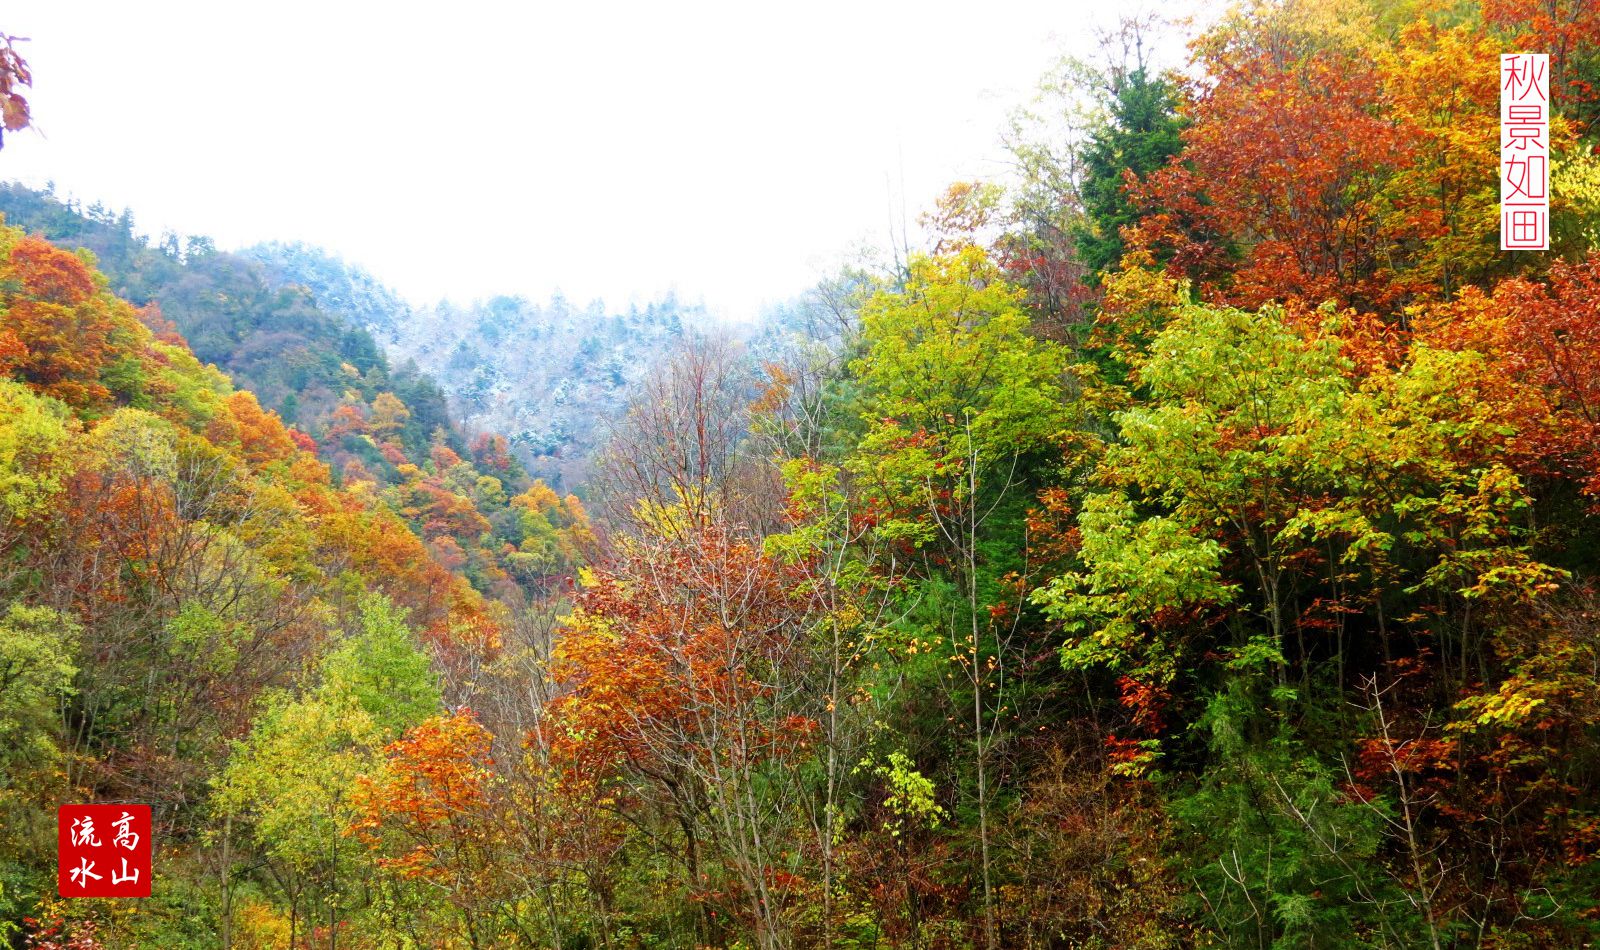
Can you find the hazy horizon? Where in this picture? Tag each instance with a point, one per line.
(729, 155)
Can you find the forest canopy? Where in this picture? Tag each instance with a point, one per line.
(1193, 542)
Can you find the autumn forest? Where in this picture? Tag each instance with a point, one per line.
(1192, 540)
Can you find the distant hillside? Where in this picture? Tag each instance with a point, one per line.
(309, 333)
(272, 337)
(548, 376)
(385, 432)
(339, 288)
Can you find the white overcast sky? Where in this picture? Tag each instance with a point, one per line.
(730, 151)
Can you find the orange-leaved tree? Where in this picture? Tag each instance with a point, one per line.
(683, 665)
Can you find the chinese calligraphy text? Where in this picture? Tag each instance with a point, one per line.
(1525, 152)
(103, 851)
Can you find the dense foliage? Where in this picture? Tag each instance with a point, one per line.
(1196, 545)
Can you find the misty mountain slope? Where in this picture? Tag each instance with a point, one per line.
(270, 335)
(301, 328)
(548, 376)
(338, 287)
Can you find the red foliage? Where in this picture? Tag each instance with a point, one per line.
(378, 545)
(51, 274)
(1562, 28)
(13, 352)
(672, 652)
(260, 435)
(1144, 701)
(1283, 163)
(491, 453)
(392, 453)
(14, 72)
(164, 330)
(447, 552)
(1052, 530)
(347, 420)
(1544, 339)
(443, 457)
(58, 334)
(443, 512)
(433, 794)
